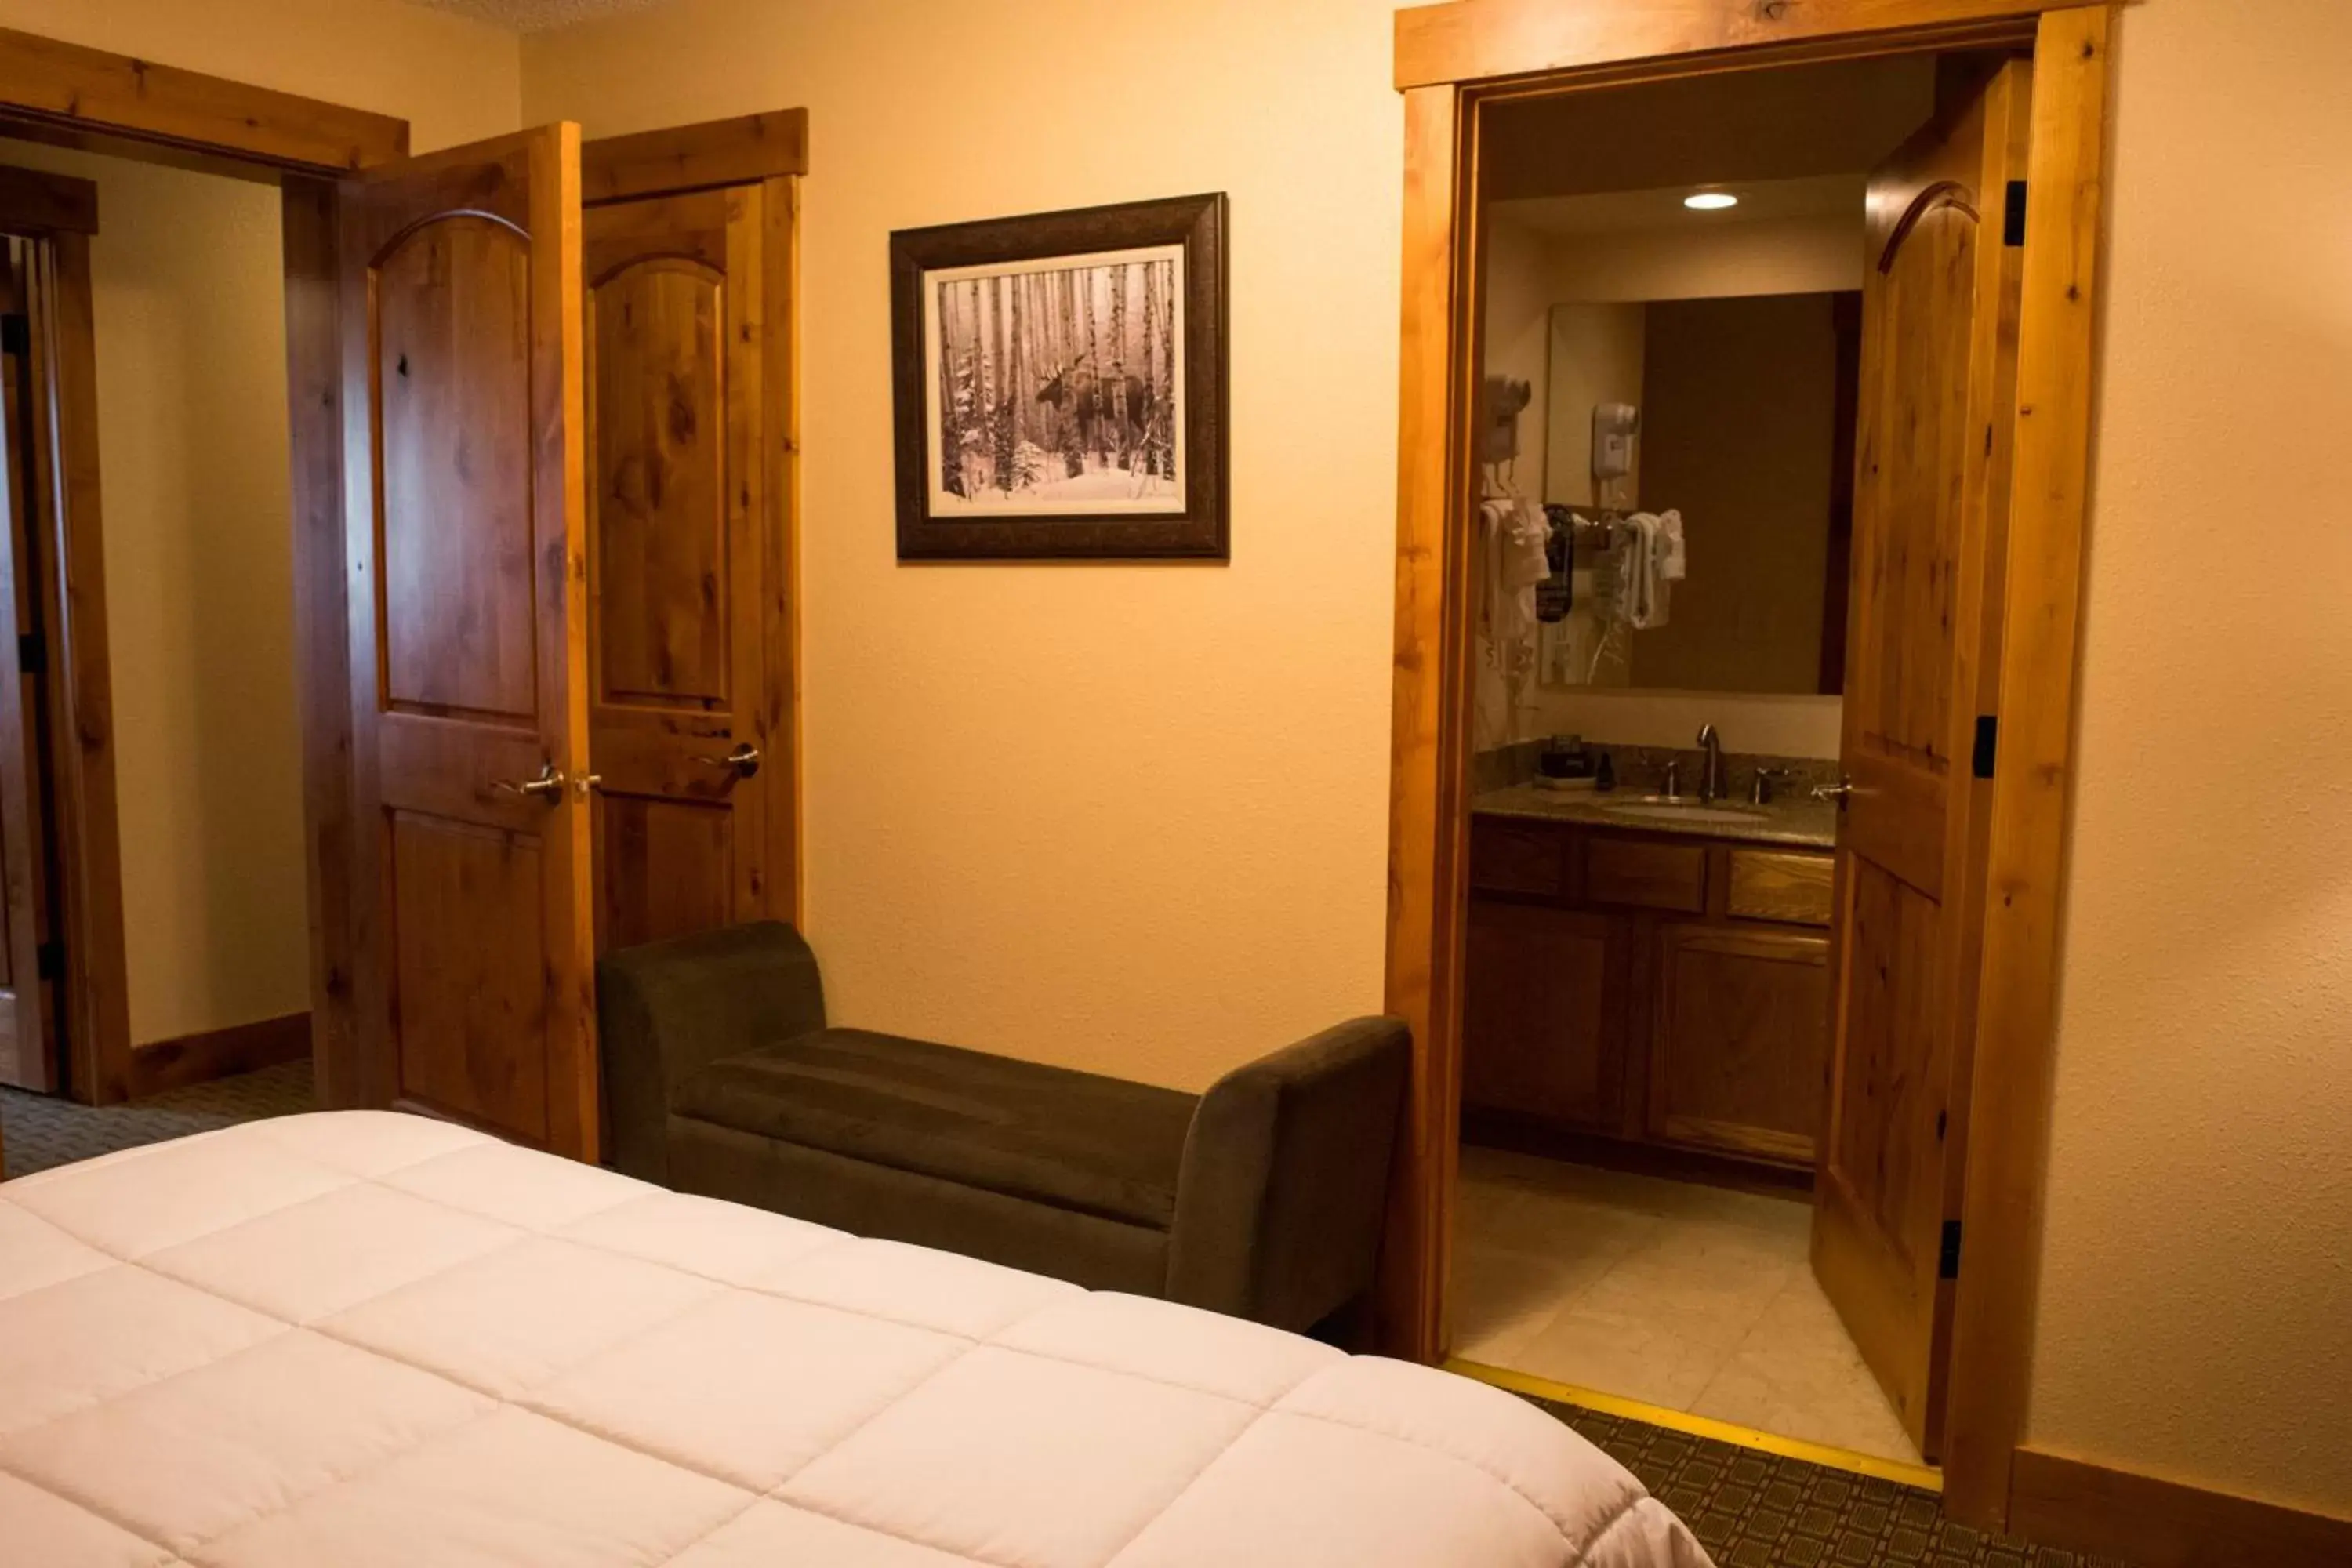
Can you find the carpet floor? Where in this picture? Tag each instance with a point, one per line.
(1751, 1510)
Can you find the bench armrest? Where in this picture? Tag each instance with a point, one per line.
(1280, 1201)
(665, 1011)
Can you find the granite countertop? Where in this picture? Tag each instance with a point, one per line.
(1792, 819)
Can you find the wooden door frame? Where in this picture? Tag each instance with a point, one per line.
(1451, 60)
(60, 214)
(96, 100)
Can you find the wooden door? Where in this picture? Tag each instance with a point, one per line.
(687, 712)
(461, 300)
(1739, 1049)
(1937, 406)
(28, 1057)
(1542, 1028)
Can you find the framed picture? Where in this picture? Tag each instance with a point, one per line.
(1060, 383)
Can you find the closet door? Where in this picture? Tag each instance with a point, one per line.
(1931, 495)
(689, 672)
(461, 300)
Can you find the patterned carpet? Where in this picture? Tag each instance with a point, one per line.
(1749, 1510)
(36, 1131)
(1753, 1509)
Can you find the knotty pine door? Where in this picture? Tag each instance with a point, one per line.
(461, 294)
(1936, 405)
(691, 678)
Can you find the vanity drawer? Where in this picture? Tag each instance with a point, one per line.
(1508, 857)
(1770, 885)
(1653, 876)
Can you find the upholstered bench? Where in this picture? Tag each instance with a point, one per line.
(1261, 1198)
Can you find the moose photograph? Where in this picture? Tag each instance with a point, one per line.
(1060, 383)
(1058, 386)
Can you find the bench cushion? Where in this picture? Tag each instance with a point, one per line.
(1097, 1145)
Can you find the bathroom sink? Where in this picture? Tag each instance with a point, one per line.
(1669, 808)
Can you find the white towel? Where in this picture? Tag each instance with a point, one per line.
(1673, 561)
(1512, 536)
(1651, 558)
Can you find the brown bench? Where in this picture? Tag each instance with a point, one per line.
(1261, 1198)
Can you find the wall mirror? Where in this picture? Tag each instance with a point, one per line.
(1743, 430)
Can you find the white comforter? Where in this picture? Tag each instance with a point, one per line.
(368, 1339)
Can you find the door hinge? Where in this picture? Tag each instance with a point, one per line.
(1987, 747)
(1948, 1260)
(50, 959)
(15, 333)
(2012, 216)
(32, 654)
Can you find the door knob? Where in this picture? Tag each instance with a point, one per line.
(547, 786)
(744, 759)
(1837, 792)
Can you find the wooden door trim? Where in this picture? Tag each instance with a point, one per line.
(62, 214)
(1450, 59)
(1483, 41)
(744, 151)
(2062, 1500)
(49, 86)
(70, 95)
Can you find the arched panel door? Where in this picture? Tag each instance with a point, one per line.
(1931, 496)
(461, 289)
(688, 704)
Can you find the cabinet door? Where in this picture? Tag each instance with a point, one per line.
(1742, 1041)
(1542, 1032)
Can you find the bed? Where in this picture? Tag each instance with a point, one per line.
(365, 1339)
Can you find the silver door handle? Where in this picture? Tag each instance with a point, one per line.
(744, 759)
(547, 786)
(1837, 792)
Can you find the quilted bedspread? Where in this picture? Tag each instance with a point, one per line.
(361, 1338)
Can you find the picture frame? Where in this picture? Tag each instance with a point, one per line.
(1060, 384)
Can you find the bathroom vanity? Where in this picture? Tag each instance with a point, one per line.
(1651, 974)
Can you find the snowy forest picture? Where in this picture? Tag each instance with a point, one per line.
(1060, 383)
(1058, 386)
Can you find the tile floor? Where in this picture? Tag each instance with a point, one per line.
(1681, 1295)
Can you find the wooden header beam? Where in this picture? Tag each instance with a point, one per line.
(64, 88)
(1484, 40)
(739, 151)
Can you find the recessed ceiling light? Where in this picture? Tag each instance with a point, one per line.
(1710, 201)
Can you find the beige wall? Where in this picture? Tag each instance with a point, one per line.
(1126, 817)
(186, 286)
(2197, 1286)
(452, 80)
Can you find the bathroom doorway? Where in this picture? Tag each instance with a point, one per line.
(1714, 1038)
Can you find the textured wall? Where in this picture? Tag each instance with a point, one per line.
(2196, 1285)
(1128, 817)
(451, 79)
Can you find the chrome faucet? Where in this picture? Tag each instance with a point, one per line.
(1710, 768)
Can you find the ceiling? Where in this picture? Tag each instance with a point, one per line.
(1768, 125)
(1620, 212)
(536, 16)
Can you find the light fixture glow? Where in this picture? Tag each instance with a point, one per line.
(1710, 201)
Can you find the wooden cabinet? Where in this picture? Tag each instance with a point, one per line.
(1740, 1041)
(1544, 1016)
(1649, 988)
